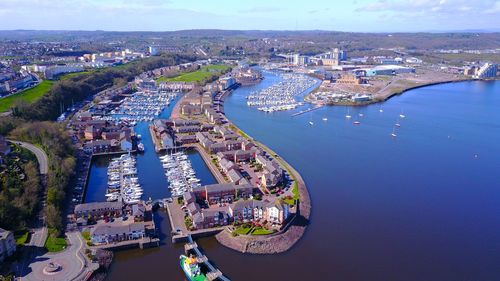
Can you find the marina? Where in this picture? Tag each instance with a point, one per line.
(351, 204)
(141, 106)
(179, 172)
(123, 183)
(281, 96)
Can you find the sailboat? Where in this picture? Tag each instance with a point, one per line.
(402, 115)
(397, 123)
(393, 134)
(380, 109)
(347, 116)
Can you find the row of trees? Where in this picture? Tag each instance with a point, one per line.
(80, 87)
(55, 142)
(19, 189)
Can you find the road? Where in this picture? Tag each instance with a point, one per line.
(39, 232)
(74, 265)
(41, 156)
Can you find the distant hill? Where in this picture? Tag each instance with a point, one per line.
(295, 40)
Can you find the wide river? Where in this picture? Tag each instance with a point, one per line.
(422, 206)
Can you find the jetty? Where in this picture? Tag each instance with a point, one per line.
(307, 110)
(213, 273)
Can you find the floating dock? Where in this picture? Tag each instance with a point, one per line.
(306, 111)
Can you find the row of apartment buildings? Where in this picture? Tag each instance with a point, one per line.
(240, 208)
(115, 221)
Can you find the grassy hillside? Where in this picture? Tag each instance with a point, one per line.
(200, 75)
(28, 96)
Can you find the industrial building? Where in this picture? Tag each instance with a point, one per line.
(385, 70)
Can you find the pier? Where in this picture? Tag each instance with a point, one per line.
(307, 110)
(214, 273)
(156, 141)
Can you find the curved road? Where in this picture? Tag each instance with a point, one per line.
(41, 156)
(72, 260)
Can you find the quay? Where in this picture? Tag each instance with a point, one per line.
(180, 233)
(143, 243)
(307, 110)
(214, 273)
(214, 170)
(156, 141)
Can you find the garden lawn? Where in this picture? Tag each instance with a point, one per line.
(242, 230)
(53, 243)
(29, 96)
(261, 231)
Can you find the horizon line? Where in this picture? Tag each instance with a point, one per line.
(257, 30)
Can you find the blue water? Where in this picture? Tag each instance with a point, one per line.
(423, 206)
(149, 168)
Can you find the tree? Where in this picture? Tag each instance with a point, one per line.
(53, 217)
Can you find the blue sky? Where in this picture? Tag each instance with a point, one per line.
(166, 15)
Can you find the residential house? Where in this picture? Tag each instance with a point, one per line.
(226, 164)
(185, 139)
(117, 232)
(277, 212)
(254, 210)
(215, 193)
(92, 132)
(235, 176)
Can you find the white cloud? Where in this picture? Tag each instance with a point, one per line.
(430, 6)
(495, 9)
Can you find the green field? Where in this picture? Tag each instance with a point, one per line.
(28, 96)
(71, 75)
(55, 244)
(199, 75)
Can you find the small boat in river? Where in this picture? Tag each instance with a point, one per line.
(191, 269)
